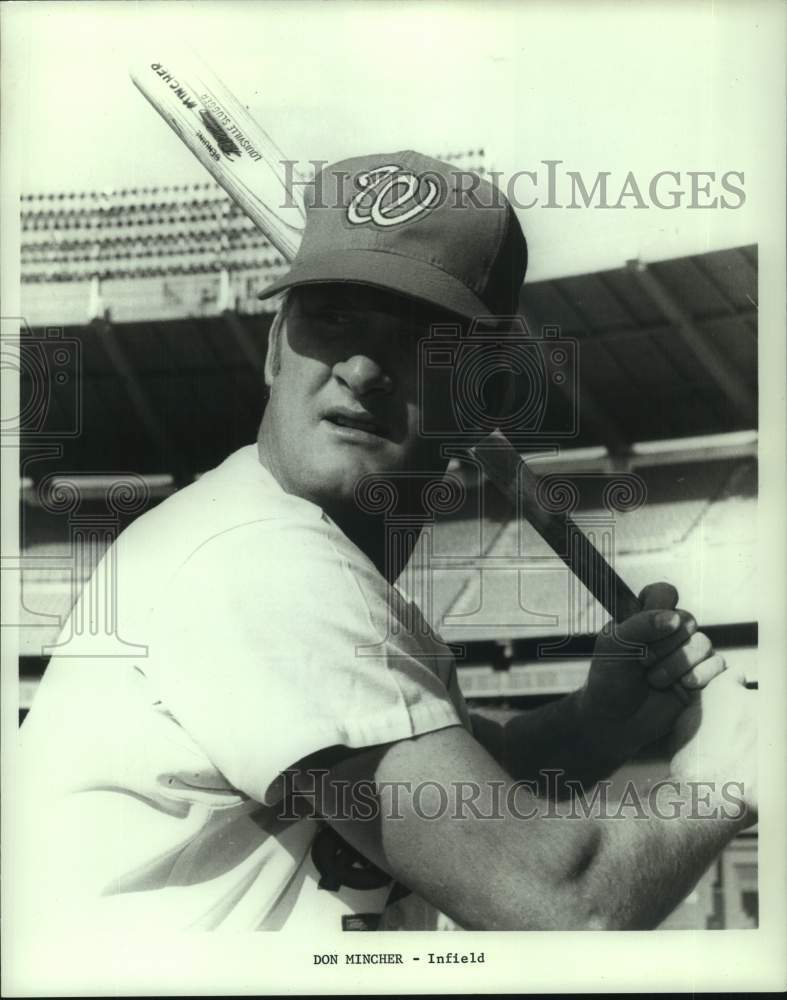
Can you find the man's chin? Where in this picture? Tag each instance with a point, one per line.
(336, 485)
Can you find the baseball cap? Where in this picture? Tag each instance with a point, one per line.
(413, 225)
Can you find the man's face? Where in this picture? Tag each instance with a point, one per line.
(344, 400)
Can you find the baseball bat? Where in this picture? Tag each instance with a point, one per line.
(512, 476)
(228, 142)
(250, 167)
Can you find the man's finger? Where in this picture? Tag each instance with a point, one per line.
(667, 627)
(661, 648)
(701, 675)
(658, 596)
(668, 669)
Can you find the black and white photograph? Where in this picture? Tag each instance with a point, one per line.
(393, 443)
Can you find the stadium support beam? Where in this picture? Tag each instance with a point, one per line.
(717, 367)
(95, 302)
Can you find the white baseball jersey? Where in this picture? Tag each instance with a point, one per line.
(152, 783)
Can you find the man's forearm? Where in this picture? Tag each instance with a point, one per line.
(609, 869)
(643, 868)
(493, 855)
(557, 736)
(616, 865)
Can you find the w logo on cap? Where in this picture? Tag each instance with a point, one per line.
(416, 226)
(390, 196)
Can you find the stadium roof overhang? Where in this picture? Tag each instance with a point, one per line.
(667, 350)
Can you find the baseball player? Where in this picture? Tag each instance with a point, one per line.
(293, 750)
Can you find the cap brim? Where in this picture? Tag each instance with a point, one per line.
(393, 272)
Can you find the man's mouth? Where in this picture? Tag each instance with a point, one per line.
(355, 423)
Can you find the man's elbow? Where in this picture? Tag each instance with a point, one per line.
(574, 910)
(600, 908)
(544, 914)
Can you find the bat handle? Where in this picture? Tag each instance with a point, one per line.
(585, 561)
(504, 467)
(615, 596)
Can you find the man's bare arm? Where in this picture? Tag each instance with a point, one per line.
(529, 742)
(500, 863)
(560, 736)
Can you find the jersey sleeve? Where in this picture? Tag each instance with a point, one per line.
(276, 640)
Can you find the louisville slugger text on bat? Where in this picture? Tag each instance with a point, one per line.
(228, 142)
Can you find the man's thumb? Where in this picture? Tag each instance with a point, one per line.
(658, 596)
(644, 627)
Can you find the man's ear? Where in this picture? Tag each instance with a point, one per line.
(273, 353)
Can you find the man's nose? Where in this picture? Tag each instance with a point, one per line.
(362, 375)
